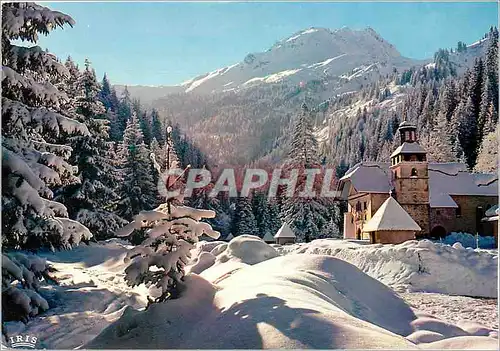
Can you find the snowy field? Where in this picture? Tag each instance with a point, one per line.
(251, 295)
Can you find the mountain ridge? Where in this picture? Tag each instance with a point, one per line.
(314, 53)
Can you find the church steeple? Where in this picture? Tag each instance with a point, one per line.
(410, 174)
(408, 132)
(409, 150)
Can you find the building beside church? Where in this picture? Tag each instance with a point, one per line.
(439, 197)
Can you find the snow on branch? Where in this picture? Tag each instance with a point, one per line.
(21, 278)
(40, 116)
(27, 90)
(34, 59)
(73, 232)
(24, 20)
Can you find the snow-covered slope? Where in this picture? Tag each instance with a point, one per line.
(311, 54)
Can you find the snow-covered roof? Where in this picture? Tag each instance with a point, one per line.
(285, 232)
(409, 148)
(372, 177)
(445, 180)
(391, 216)
(438, 199)
(268, 237)
(492, 211)
(441, 181)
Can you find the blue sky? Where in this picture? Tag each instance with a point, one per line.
(167, 43)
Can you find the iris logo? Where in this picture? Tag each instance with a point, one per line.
(23, 341)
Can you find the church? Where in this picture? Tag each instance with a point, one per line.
(411, 198)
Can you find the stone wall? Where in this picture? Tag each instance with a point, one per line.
(420, 214)
(467, 221)
(393, 237)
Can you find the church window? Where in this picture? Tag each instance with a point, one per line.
(364, 206)
(414, 172)
(458, 212)
(358, 206)
(407, 135)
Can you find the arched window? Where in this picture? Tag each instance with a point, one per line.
(358, 206)
(458, 212)
(414, 172)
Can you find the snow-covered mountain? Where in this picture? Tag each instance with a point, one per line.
(342, 57)
(242, 112)
(311, 54)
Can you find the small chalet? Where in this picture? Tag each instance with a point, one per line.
(285, 235)
(391, 224)
(269, 238)
(439, 197)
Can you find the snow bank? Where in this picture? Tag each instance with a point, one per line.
(317, 302)
(469, 240)
(247, 249)
(294, 302)
(415, 265)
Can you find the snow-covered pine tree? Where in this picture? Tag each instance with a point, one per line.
(157, 129)
(91, 200)
(305, 215)
(171, 232)
(165, 159)
(440, 142)
(33, 119)
(260, 210)
(274, 217)
(487, 159)
(244, 222)
(468, 131)
(138, 189)
(333, 228)
(123, 114)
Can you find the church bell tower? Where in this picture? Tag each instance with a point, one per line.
(410, 174)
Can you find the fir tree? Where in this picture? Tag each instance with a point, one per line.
(34, 119)
(305, 215)
(157, 129)
(244, 222)
(303, 146)
(91, 200)
(260, 210)
(138, 190)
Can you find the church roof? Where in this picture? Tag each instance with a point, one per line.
(370, 177)
(445, 179)
(391, 216)
(268, 237)
(285, 232)
(409, 148)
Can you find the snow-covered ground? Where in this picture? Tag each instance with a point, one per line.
(416, 265)
(247, 294)
(92, 294)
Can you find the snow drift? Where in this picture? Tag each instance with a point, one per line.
(293, 301)
(316, 302)
(415, 265)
